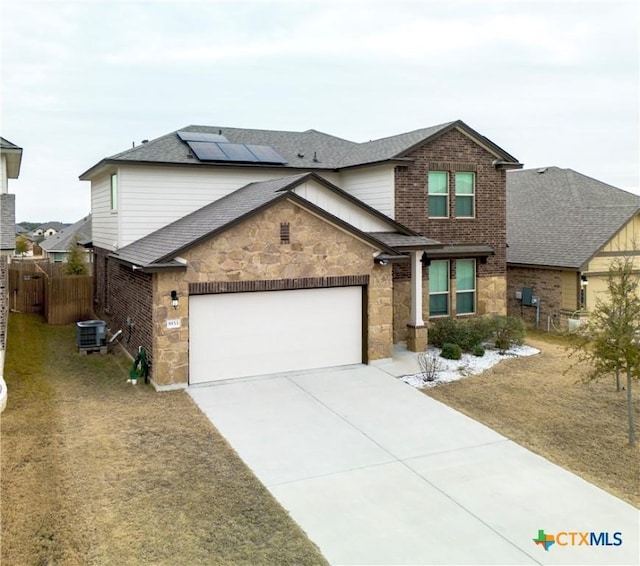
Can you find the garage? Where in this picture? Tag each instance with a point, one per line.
(256, 333)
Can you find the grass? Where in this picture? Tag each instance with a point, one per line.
(581, 426)
(98, 471)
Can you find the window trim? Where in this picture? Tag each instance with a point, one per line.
(447, 293)
(473, 291)
(113, 192)
(471, 196)
(445, 195)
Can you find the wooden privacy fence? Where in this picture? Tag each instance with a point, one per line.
(68, 299)
(63, 299)
(26, 287)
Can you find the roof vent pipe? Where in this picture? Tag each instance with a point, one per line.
(315, 157)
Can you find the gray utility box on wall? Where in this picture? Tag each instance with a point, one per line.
(92, 334)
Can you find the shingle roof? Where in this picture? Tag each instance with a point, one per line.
(169, 240)
(60, 241)
(404, 241)
(161, 247)
(6, 144)
(55, 225)
(558, 217)
(14, 157)
(307, 150)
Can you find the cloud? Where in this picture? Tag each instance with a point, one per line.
(342, 31)
(551, 82)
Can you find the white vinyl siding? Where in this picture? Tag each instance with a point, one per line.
(337, 206)
(372, 185)
(152, 197)
(4, 183)
(104, 223)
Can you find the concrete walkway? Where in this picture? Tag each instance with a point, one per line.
(378, 473)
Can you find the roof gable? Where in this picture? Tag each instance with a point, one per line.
(558, 217)
(62, 240)
(306, 150)
(161, 247)
(13, 154)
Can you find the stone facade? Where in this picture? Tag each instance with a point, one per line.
(492, 295)
(252, 251)
(490, 300)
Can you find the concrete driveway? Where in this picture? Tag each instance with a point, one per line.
(376, 472)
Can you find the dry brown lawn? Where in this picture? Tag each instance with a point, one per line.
(98, 471)
(581, 426)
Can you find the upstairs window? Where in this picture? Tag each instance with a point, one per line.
(114, 192)
(465, 286)
(439, 288)
(465, 195)
(438, 192)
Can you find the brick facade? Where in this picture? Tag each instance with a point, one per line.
(452, 152)
(122, 294)
(251, 256)
(546, 283)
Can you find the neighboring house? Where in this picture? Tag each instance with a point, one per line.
(10, 161)
(56, 247)
(229, 252)
(48, 229)
(564, 230)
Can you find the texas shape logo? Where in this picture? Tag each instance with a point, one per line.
(544, 540)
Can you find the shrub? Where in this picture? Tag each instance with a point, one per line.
(467, 333)
(443, 331)
(508, 330)
(478, 351)
(451, 351)
(429, 365)
(478, 330)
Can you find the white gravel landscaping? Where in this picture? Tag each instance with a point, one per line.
(452, 370)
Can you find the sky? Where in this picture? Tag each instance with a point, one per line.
(552, 83)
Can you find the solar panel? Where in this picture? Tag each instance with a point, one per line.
(201, 137)
(207, 151)
(266, 154)
(237, 152)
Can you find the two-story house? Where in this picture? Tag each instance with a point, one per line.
(10, 161)
(230, 252)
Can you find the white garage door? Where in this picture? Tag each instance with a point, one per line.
(243, 334)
